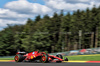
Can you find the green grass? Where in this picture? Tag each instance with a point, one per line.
(6, 58)
(85, 57)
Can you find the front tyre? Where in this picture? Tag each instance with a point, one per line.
(66, 59)
(19, 58)
(44, 58)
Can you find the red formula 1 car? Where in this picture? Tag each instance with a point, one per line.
(38, 57)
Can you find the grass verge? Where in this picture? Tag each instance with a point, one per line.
(95, 57)
(6, 58)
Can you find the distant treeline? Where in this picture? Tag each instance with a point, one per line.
(59, 33)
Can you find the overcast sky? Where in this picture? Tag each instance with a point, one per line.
(17, 11)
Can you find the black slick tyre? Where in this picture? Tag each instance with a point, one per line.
(19, 58)
(44, 58)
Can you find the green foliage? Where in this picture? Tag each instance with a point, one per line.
(56, 34)
(37, 18)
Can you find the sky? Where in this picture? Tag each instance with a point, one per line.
(18, 11)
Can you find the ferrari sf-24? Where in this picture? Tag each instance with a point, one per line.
(38, 57)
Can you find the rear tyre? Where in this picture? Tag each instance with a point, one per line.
(19, 58)
(60, 56)
(44, 58)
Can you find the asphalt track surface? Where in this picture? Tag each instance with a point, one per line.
(47, 64)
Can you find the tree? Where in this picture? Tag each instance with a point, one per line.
(38, 18)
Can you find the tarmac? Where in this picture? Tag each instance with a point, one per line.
(47, 64)
(63, 61)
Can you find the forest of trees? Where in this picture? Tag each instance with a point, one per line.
(62, 32)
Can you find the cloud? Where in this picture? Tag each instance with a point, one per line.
(23, 6)
(77, 1)
(17, 12)
(10, 17)
(8, 14)
(70, 5)
(3, 23)
(74, 1)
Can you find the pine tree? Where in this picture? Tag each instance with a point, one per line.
(38, 18)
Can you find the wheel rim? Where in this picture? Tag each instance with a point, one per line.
(16, 58)
(43, 58)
